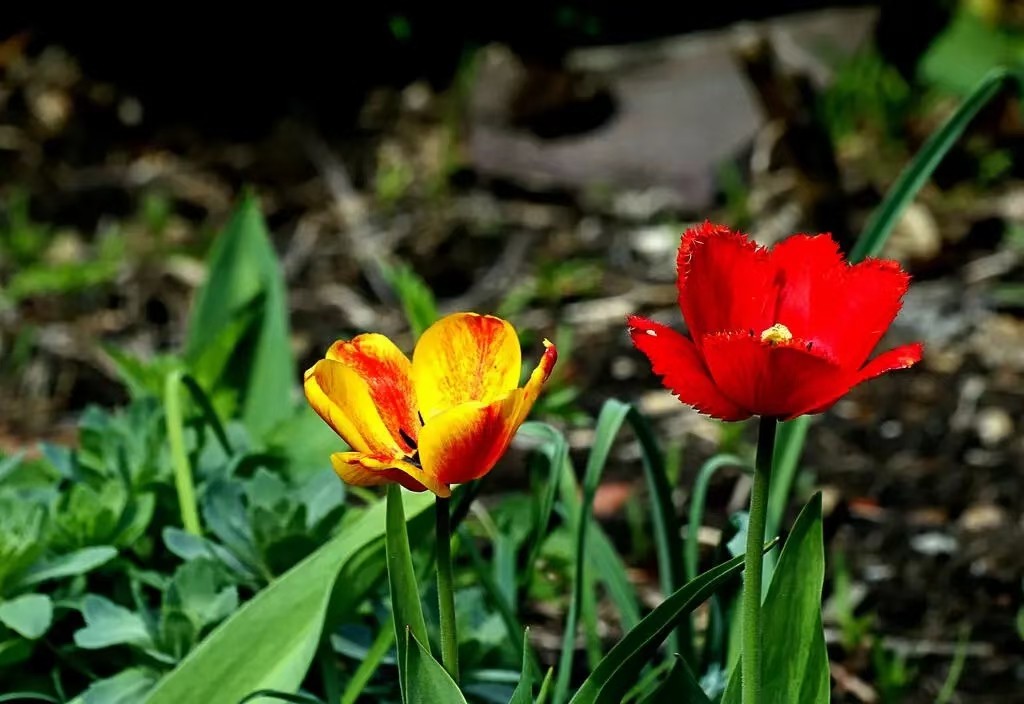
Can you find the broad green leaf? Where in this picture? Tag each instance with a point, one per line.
(245, 276)
(107, 624)
(271, 640)
(428, 681)
(524, 690)
(960, 56)
(67, 565)
(619, 669)
(679, 686)
(791, 615)
(29, 615)
(406, 607)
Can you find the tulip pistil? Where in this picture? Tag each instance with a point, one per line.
(775, 334)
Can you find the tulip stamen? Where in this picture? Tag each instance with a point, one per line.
(775, 334)
(408, 438)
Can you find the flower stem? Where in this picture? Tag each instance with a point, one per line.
(446, 591)
(752, 564)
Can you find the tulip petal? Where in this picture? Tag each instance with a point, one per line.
(540, 374)
(388, 373)
(844, 309)
(342, 398)
(463, 443)
(358, 469)
(676, 360)
(465, 357)
(783, 380)
(902, 357)
(725, 282)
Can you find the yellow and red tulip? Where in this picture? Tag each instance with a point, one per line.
(444, 418)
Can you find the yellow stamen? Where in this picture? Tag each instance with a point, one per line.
(776, 333)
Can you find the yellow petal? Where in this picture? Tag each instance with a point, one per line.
(342, 399)
(464, 442)
(388, 374)
(536, 381)
(465, 357)
(358, 469)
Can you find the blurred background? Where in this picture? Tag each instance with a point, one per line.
(539, 161)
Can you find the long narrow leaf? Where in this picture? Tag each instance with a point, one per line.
(620, 667)
(917, 173)
(610, 420)
(406, 607)
(666, 527)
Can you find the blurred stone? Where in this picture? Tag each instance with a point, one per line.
(994, 425)
(915, 238)
(933, 544)
(982, 517)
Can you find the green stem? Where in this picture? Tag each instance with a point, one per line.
(179, 456)
(446, 591)
(751, 605)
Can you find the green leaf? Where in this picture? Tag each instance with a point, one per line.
(679, 686)
(22, 697)
(415, 296)
(429, 682)
(245, 277)
(610, 420)
(556, 448)
(966, 50)
(271, 640)
(792, 615)
(67, 565)
(29, 615)
(523, 693)
(619, 669)
(107, 624)
(126, 687)
(406, 607)
(665, 524)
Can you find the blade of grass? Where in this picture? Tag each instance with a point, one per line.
(361, 677)
(556, 448)
(697, 503)
(920, 169)
(183, 483)
(667, 542)
(609, 421)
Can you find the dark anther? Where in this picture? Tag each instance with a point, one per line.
(408, 438)
(420, 414)
(751, 332)
(809, 346)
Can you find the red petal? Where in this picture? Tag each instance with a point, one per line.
(782, 380)
(845, 310)
(725, 282)
(677, 361)
(902, 357)
(388, 373)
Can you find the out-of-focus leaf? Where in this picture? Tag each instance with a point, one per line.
(67, 565)
(415, 296)
(29, 615)
(245, 275)
(127, 687)
(108, 624)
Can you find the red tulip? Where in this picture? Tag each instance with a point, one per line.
(778, 332)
